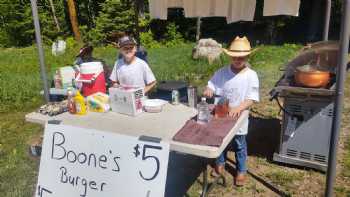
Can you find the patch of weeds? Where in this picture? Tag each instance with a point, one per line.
(18, 171)
(256, 190)
(195, 190)
(341, 191)
(283, 178)
(241, 190)
(261, 161)
(346, 169)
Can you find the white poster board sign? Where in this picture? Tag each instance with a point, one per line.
(77, 162)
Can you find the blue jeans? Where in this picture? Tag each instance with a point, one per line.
(239, 145)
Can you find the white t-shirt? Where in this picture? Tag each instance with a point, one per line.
(236, 88)
(137, 74)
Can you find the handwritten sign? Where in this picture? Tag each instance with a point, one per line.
(82, 162)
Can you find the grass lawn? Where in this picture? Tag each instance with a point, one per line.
(19, 93)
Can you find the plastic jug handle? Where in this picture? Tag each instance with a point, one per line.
(95, 76)
(82, 80)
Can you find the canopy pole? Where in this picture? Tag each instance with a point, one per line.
(40, 49)
(338, 106)
(327, 19)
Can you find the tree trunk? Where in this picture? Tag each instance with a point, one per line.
(137, 25)
(91, 14)
(198, 34)
(74, 19)
(315, 18)
(54, 15)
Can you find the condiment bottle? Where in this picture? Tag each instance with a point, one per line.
(80, 105)
(71, 102)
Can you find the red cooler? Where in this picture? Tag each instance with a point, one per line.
(92, 78)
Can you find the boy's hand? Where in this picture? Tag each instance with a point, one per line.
(116, 85)
(208, 92)
(235, 113)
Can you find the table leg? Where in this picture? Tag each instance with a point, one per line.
(205, 182)
(207, 187)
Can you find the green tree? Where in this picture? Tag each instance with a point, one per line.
(16, 23)
(115, 16)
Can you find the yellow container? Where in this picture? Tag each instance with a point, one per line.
(80, 104)
(98, 102)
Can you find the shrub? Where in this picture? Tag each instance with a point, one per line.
(172, 36)
(148, 41)
(115, 16)
(71, 43)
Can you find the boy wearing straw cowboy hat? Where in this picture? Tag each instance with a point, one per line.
(239, 84)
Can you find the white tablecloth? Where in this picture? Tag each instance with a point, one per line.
(162, 125)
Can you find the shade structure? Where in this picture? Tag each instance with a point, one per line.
(342, 63)
(40, 48)
(233, 10)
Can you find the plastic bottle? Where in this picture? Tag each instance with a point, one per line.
(203, 112)
(80, 105)
(71, 104)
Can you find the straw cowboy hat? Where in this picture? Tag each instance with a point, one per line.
(240, 47)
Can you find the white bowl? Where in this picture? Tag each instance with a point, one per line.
(153, 105)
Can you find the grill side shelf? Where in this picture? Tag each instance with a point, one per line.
(284, 91)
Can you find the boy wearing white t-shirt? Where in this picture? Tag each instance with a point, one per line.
(131, 71)
(239, 84)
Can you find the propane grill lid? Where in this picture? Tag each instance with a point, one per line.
(325, 52)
